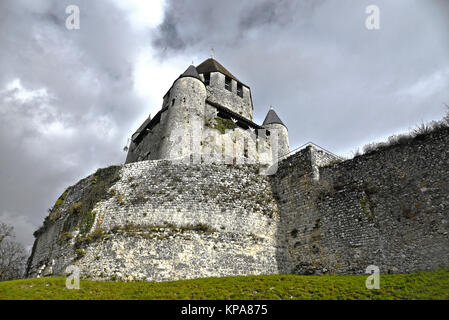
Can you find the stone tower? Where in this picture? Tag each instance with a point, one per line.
(185, 115)
(225, 89)
(208, 113)
(273, 123)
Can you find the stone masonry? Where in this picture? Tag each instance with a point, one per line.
(167, 221)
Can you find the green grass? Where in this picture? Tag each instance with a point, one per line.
(423, 285)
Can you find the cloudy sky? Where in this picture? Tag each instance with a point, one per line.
(69, 99)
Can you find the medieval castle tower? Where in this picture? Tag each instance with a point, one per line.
(208, 113)
(194, 199)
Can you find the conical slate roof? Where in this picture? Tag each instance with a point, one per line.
(272, 117)
(212, 65)
(191, 72)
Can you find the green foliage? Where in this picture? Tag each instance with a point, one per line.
(76, 208)
(420, 132)
(54, 213)
(98, 235)
(224, 124)
(84, 216)
(200, 227)
(80, 214)
(134, 228)
(65, 236)
(120, 199)
(221, 124)
(80, 253)
(87, 221)
(423, 285)
(368, 206)
(62, 197)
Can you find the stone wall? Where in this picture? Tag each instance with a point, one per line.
(388, 208)
(166, 221)
(281, 132)
(217, 93)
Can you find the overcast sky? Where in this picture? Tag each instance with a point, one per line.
(69, 99)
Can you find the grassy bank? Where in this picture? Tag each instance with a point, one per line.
(423, 285)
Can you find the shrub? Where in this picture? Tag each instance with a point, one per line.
(76, 208)
(80, 253)
(221, 124)
(66, 236)
(96, 191)
(98, 234)
(120, 200)
(200, 227)
(422, 129)
(87, 221)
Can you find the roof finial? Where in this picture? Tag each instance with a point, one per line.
(212, 52)
(271, 107)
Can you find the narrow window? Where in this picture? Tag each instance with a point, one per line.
(228, 83)
(173, 102)
(240, 90)
(207, 78)
(245, 147)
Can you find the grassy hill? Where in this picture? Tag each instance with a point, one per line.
(423, 285)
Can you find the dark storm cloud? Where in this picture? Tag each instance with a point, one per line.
(332, 81)
(262, 13)
(66, 101)
(168, 35)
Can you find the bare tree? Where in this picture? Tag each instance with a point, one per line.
(5, 231)
(12, 255)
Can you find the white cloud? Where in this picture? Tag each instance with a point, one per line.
(15, 91)
(427, 85)
(143, 13)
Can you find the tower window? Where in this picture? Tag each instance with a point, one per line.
(207, 78)
(245, 148)
(228, 83)
(240, 90)
(173, 102)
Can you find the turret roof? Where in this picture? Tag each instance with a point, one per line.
(272, 117)
(212, 65)
(191, 72)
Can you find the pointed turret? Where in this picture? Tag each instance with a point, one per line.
(275, 125)
(272, 117)
(191, 72)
